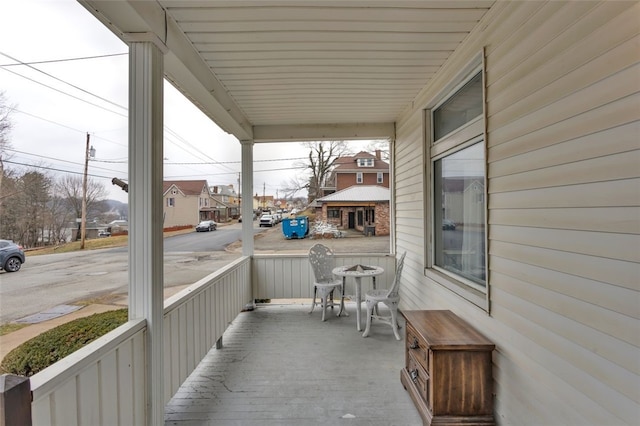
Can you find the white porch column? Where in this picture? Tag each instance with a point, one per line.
(247, 197)
(146, 280)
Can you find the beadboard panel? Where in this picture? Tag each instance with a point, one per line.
(196, 317)
(95, 384)
(563, 149)
(291, 276)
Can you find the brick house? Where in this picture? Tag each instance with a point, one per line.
(361, 207)
(345, 201)
(362, 168)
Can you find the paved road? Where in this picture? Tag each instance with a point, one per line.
(46, 281)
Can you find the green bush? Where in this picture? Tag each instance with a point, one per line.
(51, 346)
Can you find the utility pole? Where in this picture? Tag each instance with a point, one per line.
(264, 197)
(83, 219)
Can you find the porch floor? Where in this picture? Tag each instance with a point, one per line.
(281, 366)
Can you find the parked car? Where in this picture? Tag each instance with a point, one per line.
(448, 224)
(206, 226)
(11, 256)
(267, 220)
(104, 234)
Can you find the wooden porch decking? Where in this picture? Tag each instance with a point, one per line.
(281, 366)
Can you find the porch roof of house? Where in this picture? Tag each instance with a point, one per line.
(299, 70)
(358, 193)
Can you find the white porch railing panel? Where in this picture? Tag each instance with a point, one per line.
(290, 276)
(102, 383)
(195, 318)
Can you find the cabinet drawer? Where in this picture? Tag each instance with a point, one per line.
(419, 377)
(417, 348)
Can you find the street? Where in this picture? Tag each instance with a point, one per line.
(46, 281)
(99, 276)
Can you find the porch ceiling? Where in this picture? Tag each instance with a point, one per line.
(299, 69)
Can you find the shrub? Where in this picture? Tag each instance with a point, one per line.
(51, 346)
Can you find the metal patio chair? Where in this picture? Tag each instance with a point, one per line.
(389, 297)
(325, 283)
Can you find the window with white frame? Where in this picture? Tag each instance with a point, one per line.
(458, 170)
(171, 202)
(365, 162)
(380, 178)
(358, 177)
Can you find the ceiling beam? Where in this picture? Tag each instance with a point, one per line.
(319, 132)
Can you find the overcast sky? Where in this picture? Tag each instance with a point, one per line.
(66, 76)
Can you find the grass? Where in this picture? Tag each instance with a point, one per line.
(10, 328)
(51, 346)
(96, 243)
(93, 244)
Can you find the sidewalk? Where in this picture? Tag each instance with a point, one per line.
(10, 341)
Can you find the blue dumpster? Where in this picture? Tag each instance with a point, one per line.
(297, 227)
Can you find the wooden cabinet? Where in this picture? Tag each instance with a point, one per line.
(448, 369)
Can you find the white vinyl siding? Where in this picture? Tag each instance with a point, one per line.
(563, 208)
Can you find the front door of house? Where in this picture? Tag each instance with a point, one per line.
(352, 220)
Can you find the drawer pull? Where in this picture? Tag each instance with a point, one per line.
(415, 344)
(414, 375)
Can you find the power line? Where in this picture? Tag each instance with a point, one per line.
(235, 173)
(64, 93)
(57, 170)
(65, 126)
(53, 61)
(186, 142)
(168, 130)
(64, 82)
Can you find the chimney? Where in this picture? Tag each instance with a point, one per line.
(215, 189)
(378, 155)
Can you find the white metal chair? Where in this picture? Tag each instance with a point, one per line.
(322, 263)
(389, 297)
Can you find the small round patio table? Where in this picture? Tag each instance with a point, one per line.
(357, 272)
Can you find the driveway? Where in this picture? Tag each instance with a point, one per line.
(273, 241)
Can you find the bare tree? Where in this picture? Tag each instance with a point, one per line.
(5, 143)
(34, 196)
(321, 160)
(70, 188)
(5, 125)
(10, 213)
(293, 186)
(382, 146)
(58, 215)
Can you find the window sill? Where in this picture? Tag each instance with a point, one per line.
(470, 294)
